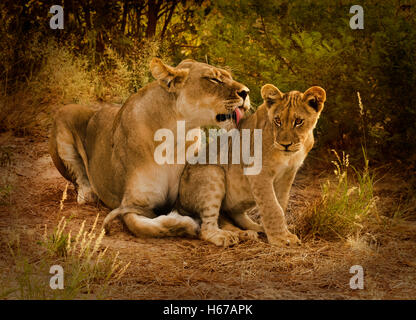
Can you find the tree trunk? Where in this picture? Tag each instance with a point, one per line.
(124, 17)
(153, 7)
(86, 7)
(169, 17)
(138, 9)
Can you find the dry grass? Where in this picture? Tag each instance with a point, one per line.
(175, 268)
(120, 76)
(336, 217)
(89, 268)
(347, 206)
(64, 77)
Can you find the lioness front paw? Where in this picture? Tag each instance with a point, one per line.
(221, 238)
(287, 239)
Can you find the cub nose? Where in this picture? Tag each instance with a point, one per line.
(286, 145)
(243, 93)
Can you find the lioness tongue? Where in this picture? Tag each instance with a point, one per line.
(238, 115)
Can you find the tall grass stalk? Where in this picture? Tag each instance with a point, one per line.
(89, 267)
(89, 263)
(347, 205)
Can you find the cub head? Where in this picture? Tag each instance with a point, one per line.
(205, 95)
(293, 115)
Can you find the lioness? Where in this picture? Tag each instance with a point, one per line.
(109, 153)
(287, 122)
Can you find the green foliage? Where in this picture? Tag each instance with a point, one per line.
(5, 192)
(6, 156)
(297, 44)
(104, 50)
(88, 268)
(346, 207)
(62, 76)
(118, 77)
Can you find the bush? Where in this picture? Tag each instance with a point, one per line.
(89, 268)
(120, 76)
(65, 77)
(346, 207)
(297, 44)
(292, 44)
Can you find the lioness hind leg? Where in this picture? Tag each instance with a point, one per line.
(73, 163)
(66, 147)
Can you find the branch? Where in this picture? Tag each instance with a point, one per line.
(167, 21)
(285, 60)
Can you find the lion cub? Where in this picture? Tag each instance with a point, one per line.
(287, 121)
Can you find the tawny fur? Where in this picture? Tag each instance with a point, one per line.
(109, 153)
(207, 190)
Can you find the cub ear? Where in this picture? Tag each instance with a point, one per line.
(315, 98)
(168, 77)
(270, 94)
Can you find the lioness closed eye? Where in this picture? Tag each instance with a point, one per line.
(287, 122)
(109, 153)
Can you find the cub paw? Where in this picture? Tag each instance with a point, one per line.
(247, 235)
(286, 239)
(221, 238)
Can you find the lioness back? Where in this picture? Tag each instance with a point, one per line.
(111, 154)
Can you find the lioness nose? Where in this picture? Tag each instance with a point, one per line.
(286, 145)
(243, 93)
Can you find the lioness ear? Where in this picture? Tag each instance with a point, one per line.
(170, 78)
(270, 94)
(315, 97)
(187, 63)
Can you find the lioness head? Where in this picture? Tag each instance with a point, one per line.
(293, 115)
(205, 94)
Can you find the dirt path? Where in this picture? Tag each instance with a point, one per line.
(176, 268)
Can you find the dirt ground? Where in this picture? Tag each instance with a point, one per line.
(179, 268)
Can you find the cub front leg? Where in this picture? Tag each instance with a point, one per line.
(202, 189)
(283, 185)
(212, 233)
(271, 212)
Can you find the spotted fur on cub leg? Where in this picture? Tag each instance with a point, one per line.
(206, 203)
(212, 233)
(286, 121)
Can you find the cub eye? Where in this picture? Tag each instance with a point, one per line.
(277, 121)
(215, 80)
(298, 122)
